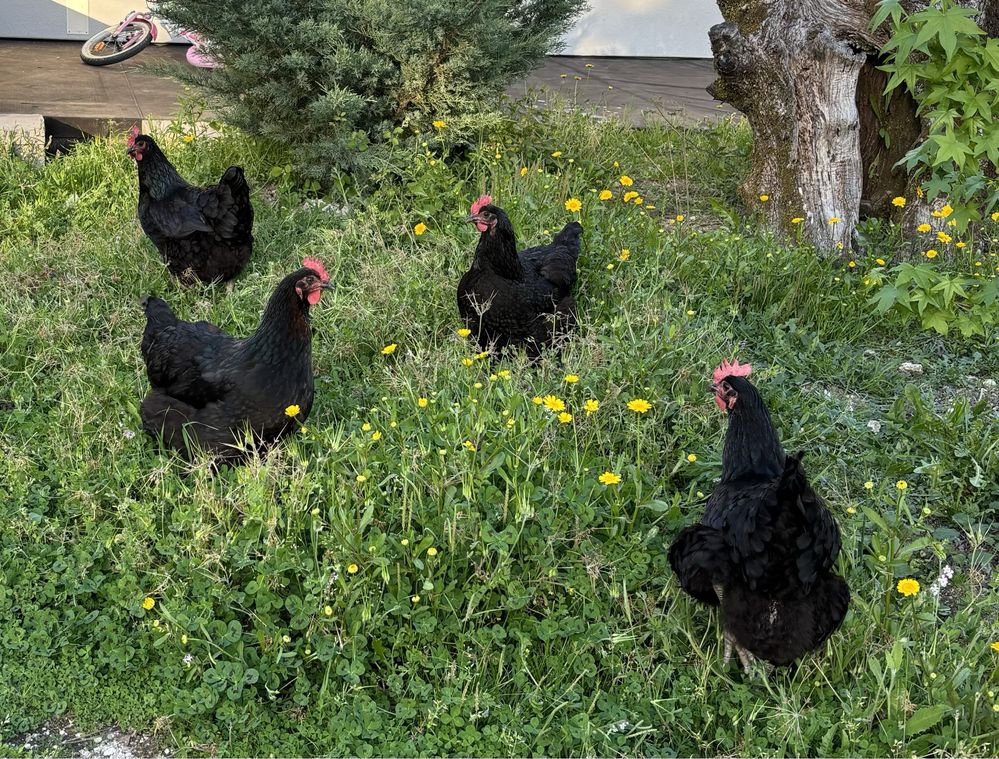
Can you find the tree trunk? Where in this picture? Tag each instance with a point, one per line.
(792, 68)
(825, 140)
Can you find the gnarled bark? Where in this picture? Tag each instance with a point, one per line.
(792, 68)
(825, 140)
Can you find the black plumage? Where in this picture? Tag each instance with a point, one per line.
(510, 299)
(201, 232)
(765, 547)
(211, 389)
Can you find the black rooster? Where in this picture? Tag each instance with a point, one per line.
(766, 544)
(507, 299)
(209, 388)
(201, 231)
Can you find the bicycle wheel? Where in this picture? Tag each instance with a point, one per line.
(106, 47)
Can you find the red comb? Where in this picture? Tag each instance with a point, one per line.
(734, 369)
(133, 133)
(317, 266)
(484, 200)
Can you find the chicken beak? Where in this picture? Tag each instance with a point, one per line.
(326, 286)
(472, 218)
(713, 388)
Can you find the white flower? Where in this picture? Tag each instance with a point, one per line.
(188, 658)
(942, 581)
(874, 426)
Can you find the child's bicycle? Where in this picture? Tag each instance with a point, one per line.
(118, 43)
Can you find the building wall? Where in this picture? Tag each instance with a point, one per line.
(658, 28)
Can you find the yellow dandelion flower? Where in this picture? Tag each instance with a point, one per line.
(464, 332)
(466, 361)
(523, 171)
(764, 198)
(352, 569)
(639, 405)
(503, 374)
(148, 603)
(438, 124)
(292, 410)
(328, 611)
(995, 216)
(901, 484)
(188, 138)
(431, 551)
(376, 435)
(930, 253)
(605, 195)
(591, 406)
(482, 355)
(943, 237)
(908, 587)
(469, 445)
(537, 400)
(924, 228)
(679, 217)
(852, 264)
(995, 646)
(624, 255)
(898, 201)
(388, 350)
(946, 211)
(628, 196)
(626, 181)
(879, 261)
(834, 220)
(952, 223)
(554, 403)
(419, 229)
(571, 378)
(797, 220)
(477, 385)
(869, 485)
(422, 402)
(850, 510)
(609, 478)
(691, 457)
(573, 205)
(565, 417)
(557, 154)
(639, 200)
(960, 244)
(366, 427)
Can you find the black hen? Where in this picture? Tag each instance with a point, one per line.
(202, 232)
(209, 389)
(766, 544)
(507, 299)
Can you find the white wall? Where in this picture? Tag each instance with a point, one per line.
(667, 28)
(64, 19)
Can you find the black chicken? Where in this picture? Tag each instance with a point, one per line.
(766, 543)
(209, 388)
(201, 231)
(526, 300)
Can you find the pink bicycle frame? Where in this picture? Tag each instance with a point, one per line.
(142, 18)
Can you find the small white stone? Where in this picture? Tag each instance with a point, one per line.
(990, 383)
(911, 368)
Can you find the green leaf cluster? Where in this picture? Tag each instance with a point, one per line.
(946, 61)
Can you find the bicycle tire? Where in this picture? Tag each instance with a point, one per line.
(92, 59)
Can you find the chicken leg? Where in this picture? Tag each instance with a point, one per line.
(745, 657)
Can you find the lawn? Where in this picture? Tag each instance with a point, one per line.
(451, 577)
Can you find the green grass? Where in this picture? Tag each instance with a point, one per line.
(548, 622)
